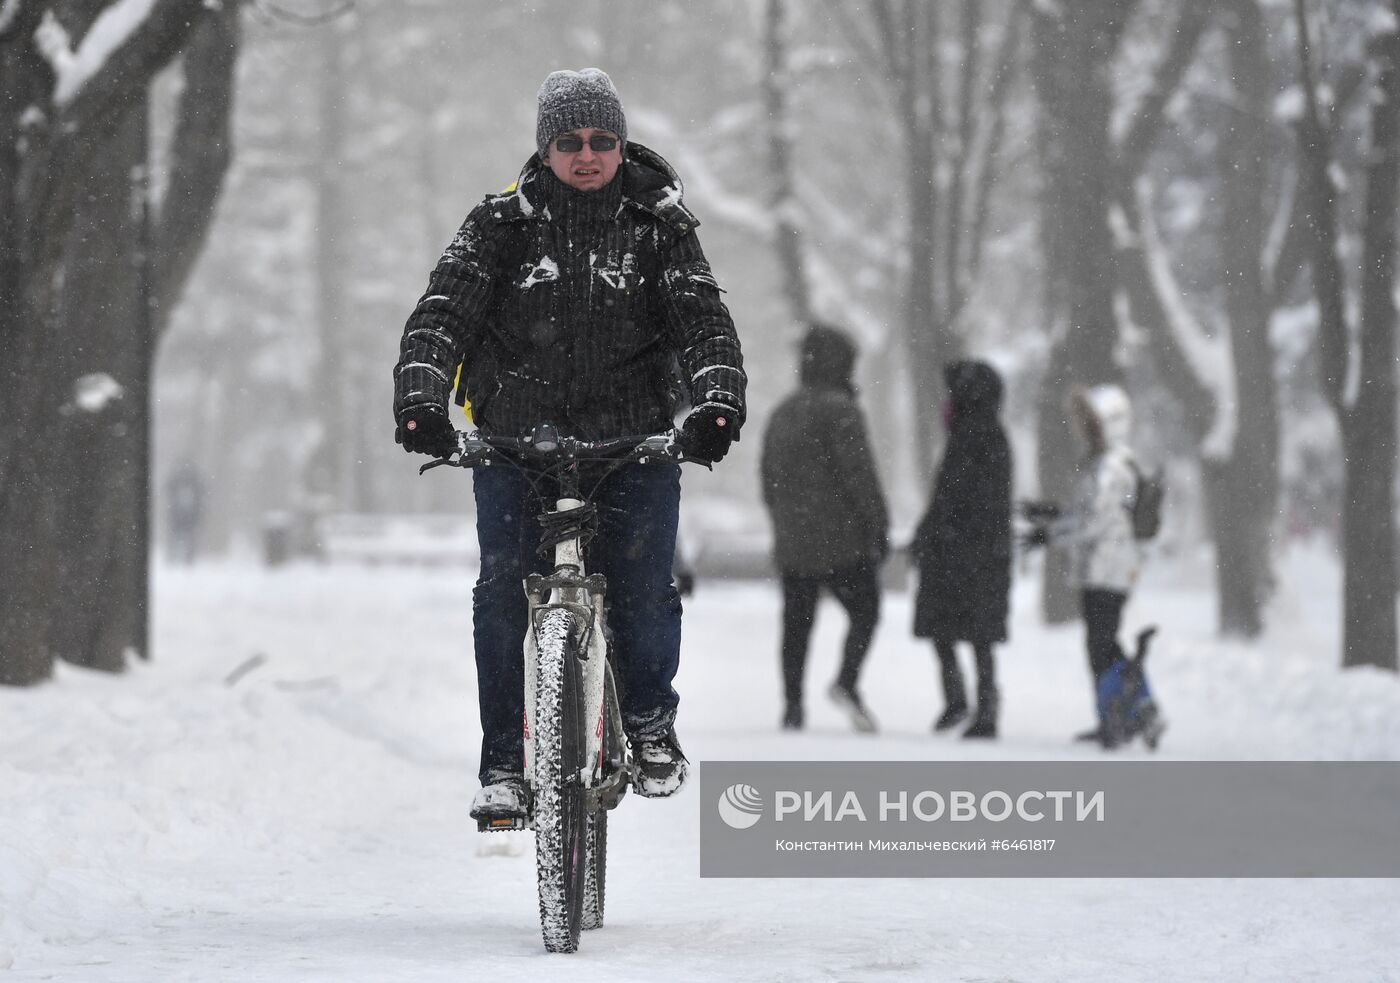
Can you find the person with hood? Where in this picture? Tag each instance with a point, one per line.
(580, 297)
(962, 546)
(1107, 557)
(830, 524)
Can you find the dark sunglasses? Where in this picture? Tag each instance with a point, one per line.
(570, 144)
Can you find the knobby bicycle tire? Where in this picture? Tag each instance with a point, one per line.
(595, 870)
(560, 818)
(595, 876)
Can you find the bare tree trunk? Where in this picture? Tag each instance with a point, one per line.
(119, 262)
(954, 268)
(333, 462)
(987, 160)
(1073, 50)
(100, 552)
(26, 511)
(786, 227)
(1244, 488)
(1242, 482)
(924, 330)
(1368, 519)
(906, 34)
(55, 145)
(1367, 421)
(201, 150)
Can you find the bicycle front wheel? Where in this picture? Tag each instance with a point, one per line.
(560, 821)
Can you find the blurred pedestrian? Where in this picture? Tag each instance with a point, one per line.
(962, 546)
(184, 508)
(1099, 527)
(830, 524)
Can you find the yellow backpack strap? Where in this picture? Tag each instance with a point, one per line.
(461, 392)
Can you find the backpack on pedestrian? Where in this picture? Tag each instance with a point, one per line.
(1146, 511)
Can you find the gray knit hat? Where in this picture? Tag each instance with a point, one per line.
(573, 100)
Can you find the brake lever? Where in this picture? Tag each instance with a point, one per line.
(666, 447)
(460, 450)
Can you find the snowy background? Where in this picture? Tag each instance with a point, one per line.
(309, 822)
(280, 792)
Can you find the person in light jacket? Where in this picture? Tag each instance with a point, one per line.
(1107, 558)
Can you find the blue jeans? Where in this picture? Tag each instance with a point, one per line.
(638, 506)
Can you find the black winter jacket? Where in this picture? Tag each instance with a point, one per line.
(819, 478)
(963, 544)
(597, 312)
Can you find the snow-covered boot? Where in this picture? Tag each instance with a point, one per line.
(793, 717)
(850, 702)
(505, 798)
(659, 767)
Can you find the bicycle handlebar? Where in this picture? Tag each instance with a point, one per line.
(546, 446)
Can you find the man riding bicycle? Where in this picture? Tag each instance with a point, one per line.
(579, 297)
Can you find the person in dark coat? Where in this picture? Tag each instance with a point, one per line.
(579, 297)
(963, 545)
(830, 524)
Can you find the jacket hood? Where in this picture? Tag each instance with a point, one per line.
(975, 388)
(649, 183)
(1111, 407)
(828, 358)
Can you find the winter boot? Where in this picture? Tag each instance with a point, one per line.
(793, 717)
(846, 698)
(954, 696)
(984, 723)
(952, 715)
(505, 798)
(659, 767)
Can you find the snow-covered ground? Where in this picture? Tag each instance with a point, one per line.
(309, 821)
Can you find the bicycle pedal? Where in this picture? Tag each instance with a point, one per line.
(495, 824)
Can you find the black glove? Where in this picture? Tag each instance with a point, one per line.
(708, 431)
(425, 429)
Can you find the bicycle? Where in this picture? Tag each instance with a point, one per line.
(577, 761)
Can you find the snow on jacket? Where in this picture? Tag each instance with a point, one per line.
(819, 478)
(1099, 528)
(962, 546)
(594, 311)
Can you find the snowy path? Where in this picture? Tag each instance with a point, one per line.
(309, 822)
